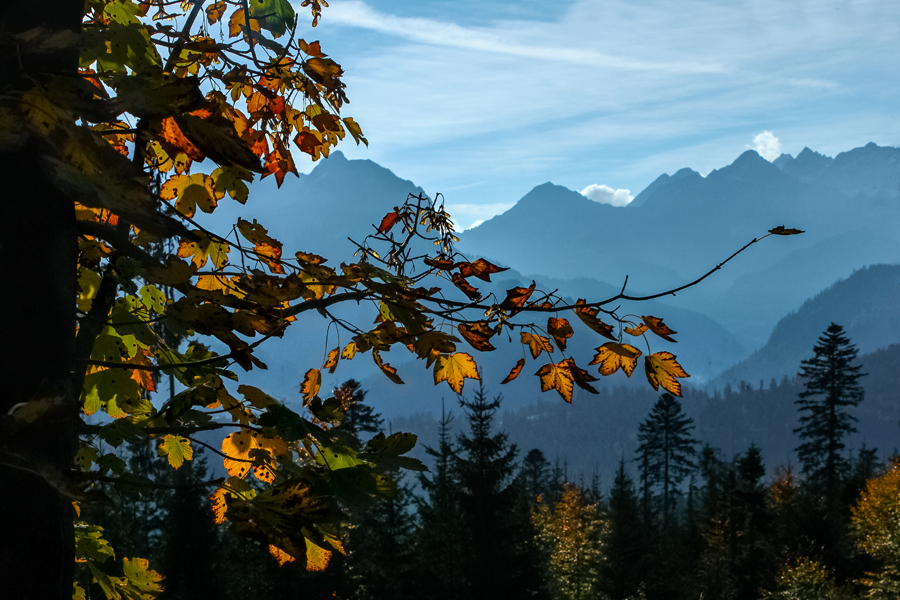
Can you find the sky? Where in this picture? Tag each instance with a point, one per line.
(483, 100)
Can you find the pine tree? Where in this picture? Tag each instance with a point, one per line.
(359, 418)
(831, 387)
(622, 573)
(666, 450)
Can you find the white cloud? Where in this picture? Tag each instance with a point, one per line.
(767, 145)
(607, 195)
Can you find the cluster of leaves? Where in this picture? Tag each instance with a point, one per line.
(163, 120)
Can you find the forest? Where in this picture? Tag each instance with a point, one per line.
(678, 520)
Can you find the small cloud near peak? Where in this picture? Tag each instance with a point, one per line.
(607, 195)
(767, 145)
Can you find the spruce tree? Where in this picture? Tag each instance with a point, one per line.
(626, 548)
(831, 388)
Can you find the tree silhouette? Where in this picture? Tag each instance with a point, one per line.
(626, 543)
(831, 387)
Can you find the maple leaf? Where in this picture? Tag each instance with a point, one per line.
(557, 376)
(141, 582)
(537, 343)
(517, 297)
(580, 376)
(514, 372)
(560, 330)
(349, 351)
(237, 448)
(782, 230)
(268, 248)
(478, 334)
(481, 269)
(657, 326)
(331, 361)
(662, 369)
(466, 288)
(613, 356)
(177, 448)
(637, 331)
(454, 369)
(431, 344)
(312, 381)
(588, 316)
(189, 193)
(389, 220)
(215, 12)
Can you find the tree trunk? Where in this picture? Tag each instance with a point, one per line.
(38, 254)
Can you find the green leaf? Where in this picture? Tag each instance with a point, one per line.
(90, 545)
(274, 15)
(86, 457)
(142, 583)
(338, 457)
(289, 425)
(153, 299)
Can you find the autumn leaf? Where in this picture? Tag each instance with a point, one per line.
(454, 369)
(387, 369)
(581, 377)
(177, 448)
(349, 351)
(312, 381)
(280, 555)
(268, 248)
(514, 372)
(467, 288)
(331, 361)
(637, 331)
(613, 356)
(236, 447)
(537, 343)
(141, 582)
(588, 316)
(388, 221)
(316, 558)
(657, 326)
(478, 335)
(557, 376)
(215, 12)
(431, 344)
(481, 269)
(560, 330)
(781, 230)
(662, 370)
(189, 193)
(517, 297)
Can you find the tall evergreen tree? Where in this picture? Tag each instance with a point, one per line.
(831, 388)
(667, 449)
(359, 419)
(623, 570)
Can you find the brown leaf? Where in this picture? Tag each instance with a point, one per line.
(560, 330)
(517, 297)
(331, 362)
(478, 335)
(581, 377)
(466, 288)
(215, 12)
(657, 326)
(588, 316)
(312, 381)
(637, 331)
(481, 269)
(388, 221)
(387, 369)
(514, 372)
(781, 230)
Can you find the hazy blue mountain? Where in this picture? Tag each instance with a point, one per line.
(807, 167)
(661, 182)
(866, 304)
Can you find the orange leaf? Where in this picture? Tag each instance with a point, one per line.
(388, 221)
(215, 12)
(332, 361)
(517, 297)
(560, 330)
(514, 372)
(557, 377)
(588, 316)
(781, 230)
(613, 356)
(280, 555)
(387, 369)
(172, 134)
(454, 369)
(218, 505)
(478, 335)
(316, 558)
(537, 343)
(662, 370)
(312, 381)
(637, 331)
(144, 378)
(657, 326)
(237, 448)
(481, 269)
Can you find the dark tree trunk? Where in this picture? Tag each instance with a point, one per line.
(38, 254)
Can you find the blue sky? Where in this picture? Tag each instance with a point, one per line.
(484, 100)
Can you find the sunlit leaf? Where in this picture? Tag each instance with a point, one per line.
(388, 221)
(331, 361)
(613, 356)
(312, 381)
(588, 316)
(560, 330)
(280, 555)
(557, 376)
(481, 269)
(637, 331)
(478, 335)
(662, 369)
(536, 343)
(177, 448)
(514, 372)
(657, 326)
(454, 369)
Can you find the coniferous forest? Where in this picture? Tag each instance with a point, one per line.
(493, 520)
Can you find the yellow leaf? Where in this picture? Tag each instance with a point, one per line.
(280, 555)
(177, 448)
(588, 316)
(454, 369)
(537, 343)
(218, 505)
(662, 370)
(557, 377)
(312, 381)
(237, 448)
(189, 192)
(613, 356)
(637, 331)
(349, 351)
(331, 362)
(316, 558)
